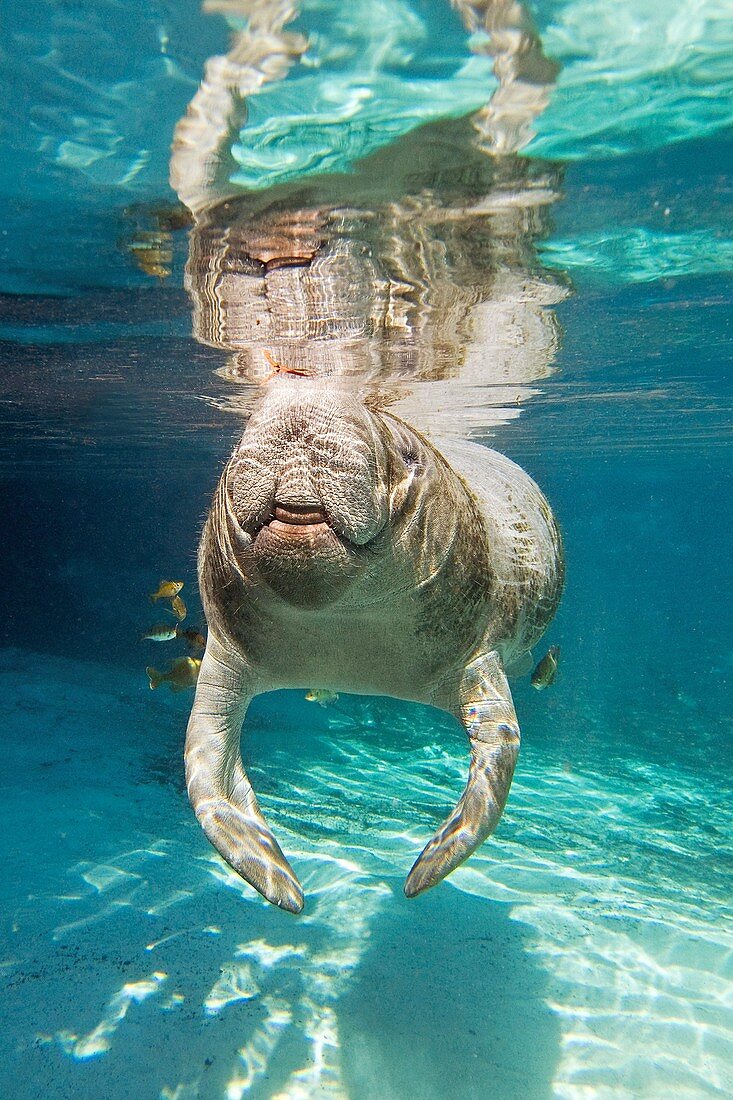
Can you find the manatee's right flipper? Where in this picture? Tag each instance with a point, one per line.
(218, 787)
(486, 710)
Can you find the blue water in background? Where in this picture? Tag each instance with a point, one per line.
(586, 950)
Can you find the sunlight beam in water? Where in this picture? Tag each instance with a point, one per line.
(237, 983)
(256, 1054)
(99, 1040)
(598, 866)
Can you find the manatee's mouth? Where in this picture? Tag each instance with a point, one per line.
(299, 525)
(297, 515)
(302, 557)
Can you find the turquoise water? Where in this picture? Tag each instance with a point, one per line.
(586, 950)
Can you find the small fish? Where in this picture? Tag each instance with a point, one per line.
(321, 696)
(166, 590)
(181, 674)
(178, 608)
(192, 637)
(163, 632)
(152, 251)
(546, 670)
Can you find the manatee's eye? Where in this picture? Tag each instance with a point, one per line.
(404, 478)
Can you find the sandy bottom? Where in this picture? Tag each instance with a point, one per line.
(587, 951)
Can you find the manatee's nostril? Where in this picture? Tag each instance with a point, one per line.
(299, 514)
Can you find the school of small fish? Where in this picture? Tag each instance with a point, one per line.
(183, 671)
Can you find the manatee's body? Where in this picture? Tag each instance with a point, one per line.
(344, 552)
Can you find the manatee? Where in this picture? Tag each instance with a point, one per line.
(343, 549)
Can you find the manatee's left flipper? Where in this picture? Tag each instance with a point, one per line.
(486, 710)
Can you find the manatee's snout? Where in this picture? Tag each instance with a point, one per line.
(307, 488)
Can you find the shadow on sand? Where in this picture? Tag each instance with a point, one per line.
(447, 1003)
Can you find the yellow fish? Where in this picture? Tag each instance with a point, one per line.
(166, 590)
(546, 670)
(193, 638)
(321, 696)
(152, 252)
(178, 608)
(181, 674)
(163, 632)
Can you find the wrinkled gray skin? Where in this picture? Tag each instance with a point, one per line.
(343, 552)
